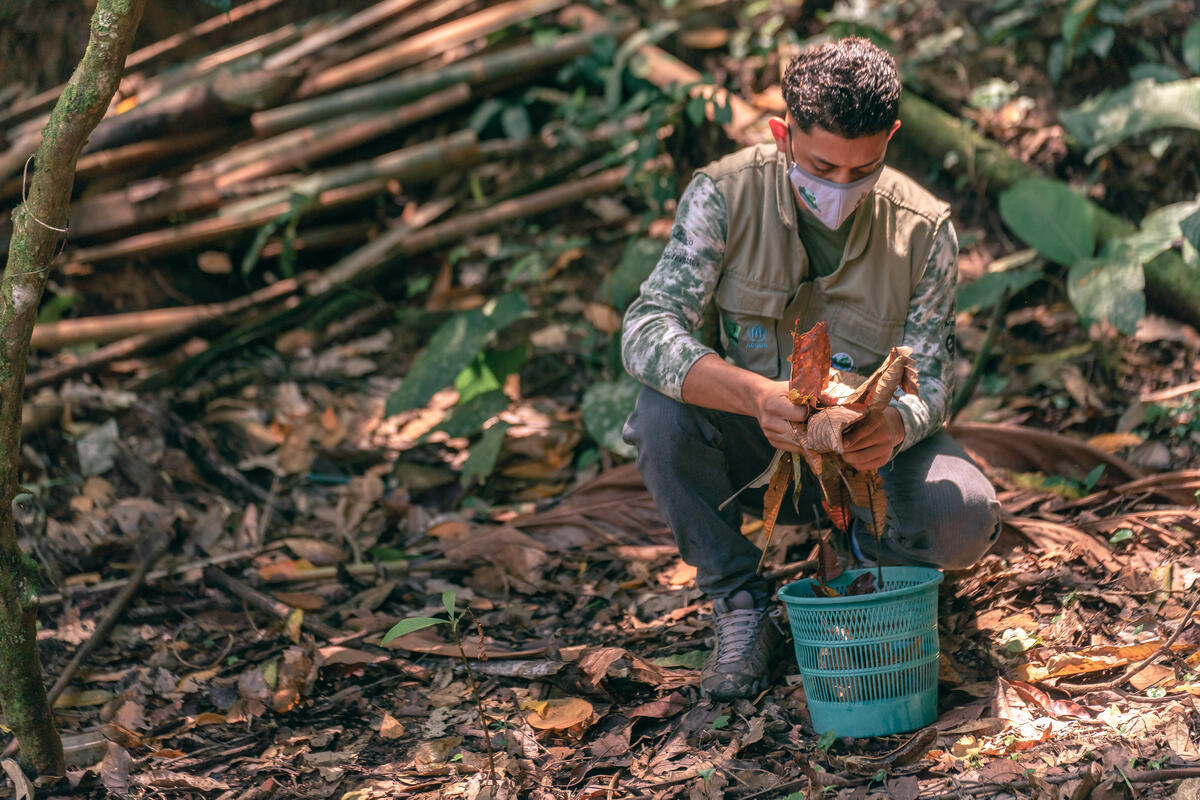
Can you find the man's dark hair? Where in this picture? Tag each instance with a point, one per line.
(848, 87)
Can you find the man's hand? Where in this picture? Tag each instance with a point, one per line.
(871, 441)
(776, 414)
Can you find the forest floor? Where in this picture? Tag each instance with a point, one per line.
(303, 522)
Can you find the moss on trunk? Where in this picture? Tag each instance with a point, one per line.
(31, 250)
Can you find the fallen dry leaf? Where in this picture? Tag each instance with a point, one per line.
(559, 714)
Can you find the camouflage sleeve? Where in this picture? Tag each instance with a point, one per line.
(929, 331)
(657, 343)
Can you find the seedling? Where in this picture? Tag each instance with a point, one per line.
(454, 620)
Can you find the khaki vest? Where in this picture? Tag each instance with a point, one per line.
(765, 287)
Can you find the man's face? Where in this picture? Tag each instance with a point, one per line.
(829, 156)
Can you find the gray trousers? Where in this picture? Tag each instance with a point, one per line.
(942, 511)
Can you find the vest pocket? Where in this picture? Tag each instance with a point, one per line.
(859, 343)
(749, 316)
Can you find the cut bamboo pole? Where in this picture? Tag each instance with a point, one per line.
(362, 20)
(299, 148)
(318, 238)
(132, 155)
(44, 100)
(50, 335)
(410, 23)
(417, 83)
(181, 237)
(378, 249)
(567, 194)
(415, 163)
(330, 188)
(664, 69)
(140, 88)
(425, 45)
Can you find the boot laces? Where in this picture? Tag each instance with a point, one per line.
(736, 630)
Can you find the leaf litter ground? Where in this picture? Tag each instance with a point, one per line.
(591, 626)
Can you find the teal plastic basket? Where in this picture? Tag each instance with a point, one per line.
(869, 663)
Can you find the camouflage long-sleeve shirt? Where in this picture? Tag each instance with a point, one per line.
(659, 346)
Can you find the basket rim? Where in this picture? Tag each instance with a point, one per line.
(935, 577)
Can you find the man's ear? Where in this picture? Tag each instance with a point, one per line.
(779, 130)
(895, 127)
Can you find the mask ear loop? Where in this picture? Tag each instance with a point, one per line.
(34, 217)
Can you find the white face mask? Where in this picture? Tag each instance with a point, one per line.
(831, 203)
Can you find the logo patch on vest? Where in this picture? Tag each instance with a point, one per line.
(756, 337)
(842, 361)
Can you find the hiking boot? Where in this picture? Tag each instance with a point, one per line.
(746, 639)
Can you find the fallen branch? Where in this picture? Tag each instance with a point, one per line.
(157, 575)
(158, 547)
(252, 597)
(963, 395)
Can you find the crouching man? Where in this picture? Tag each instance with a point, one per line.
(813, 227)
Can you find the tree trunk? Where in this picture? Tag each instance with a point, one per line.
(79, 109)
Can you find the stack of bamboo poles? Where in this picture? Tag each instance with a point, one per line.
(274, 128)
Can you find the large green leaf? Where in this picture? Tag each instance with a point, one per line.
(1160, 230)
(988, 289)
(1050, 217)
(411, 625)
(606, 406)
(452, 348)
(1191, 48)
(1110, 117)
(466, 419)
(484, 455)
(1190, 228)
(1110, 287)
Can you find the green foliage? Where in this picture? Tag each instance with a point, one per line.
(484, 455)
(487, 372)
(1050, 217)
(452, 349)
(289, 221)
(1191, 48)
(987, 290)
(466, 419)
(53, 309)
(1110, 287)
(1122, 535)
(721, 722)
(606, 406)
(826, 741)
(1104, 120)
(411, 625)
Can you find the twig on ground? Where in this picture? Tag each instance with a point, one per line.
(989, 339)
(158, 547)
(253, 597)
(1141, 665)
(156, 575)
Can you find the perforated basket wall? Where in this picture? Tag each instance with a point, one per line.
(869, 662)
